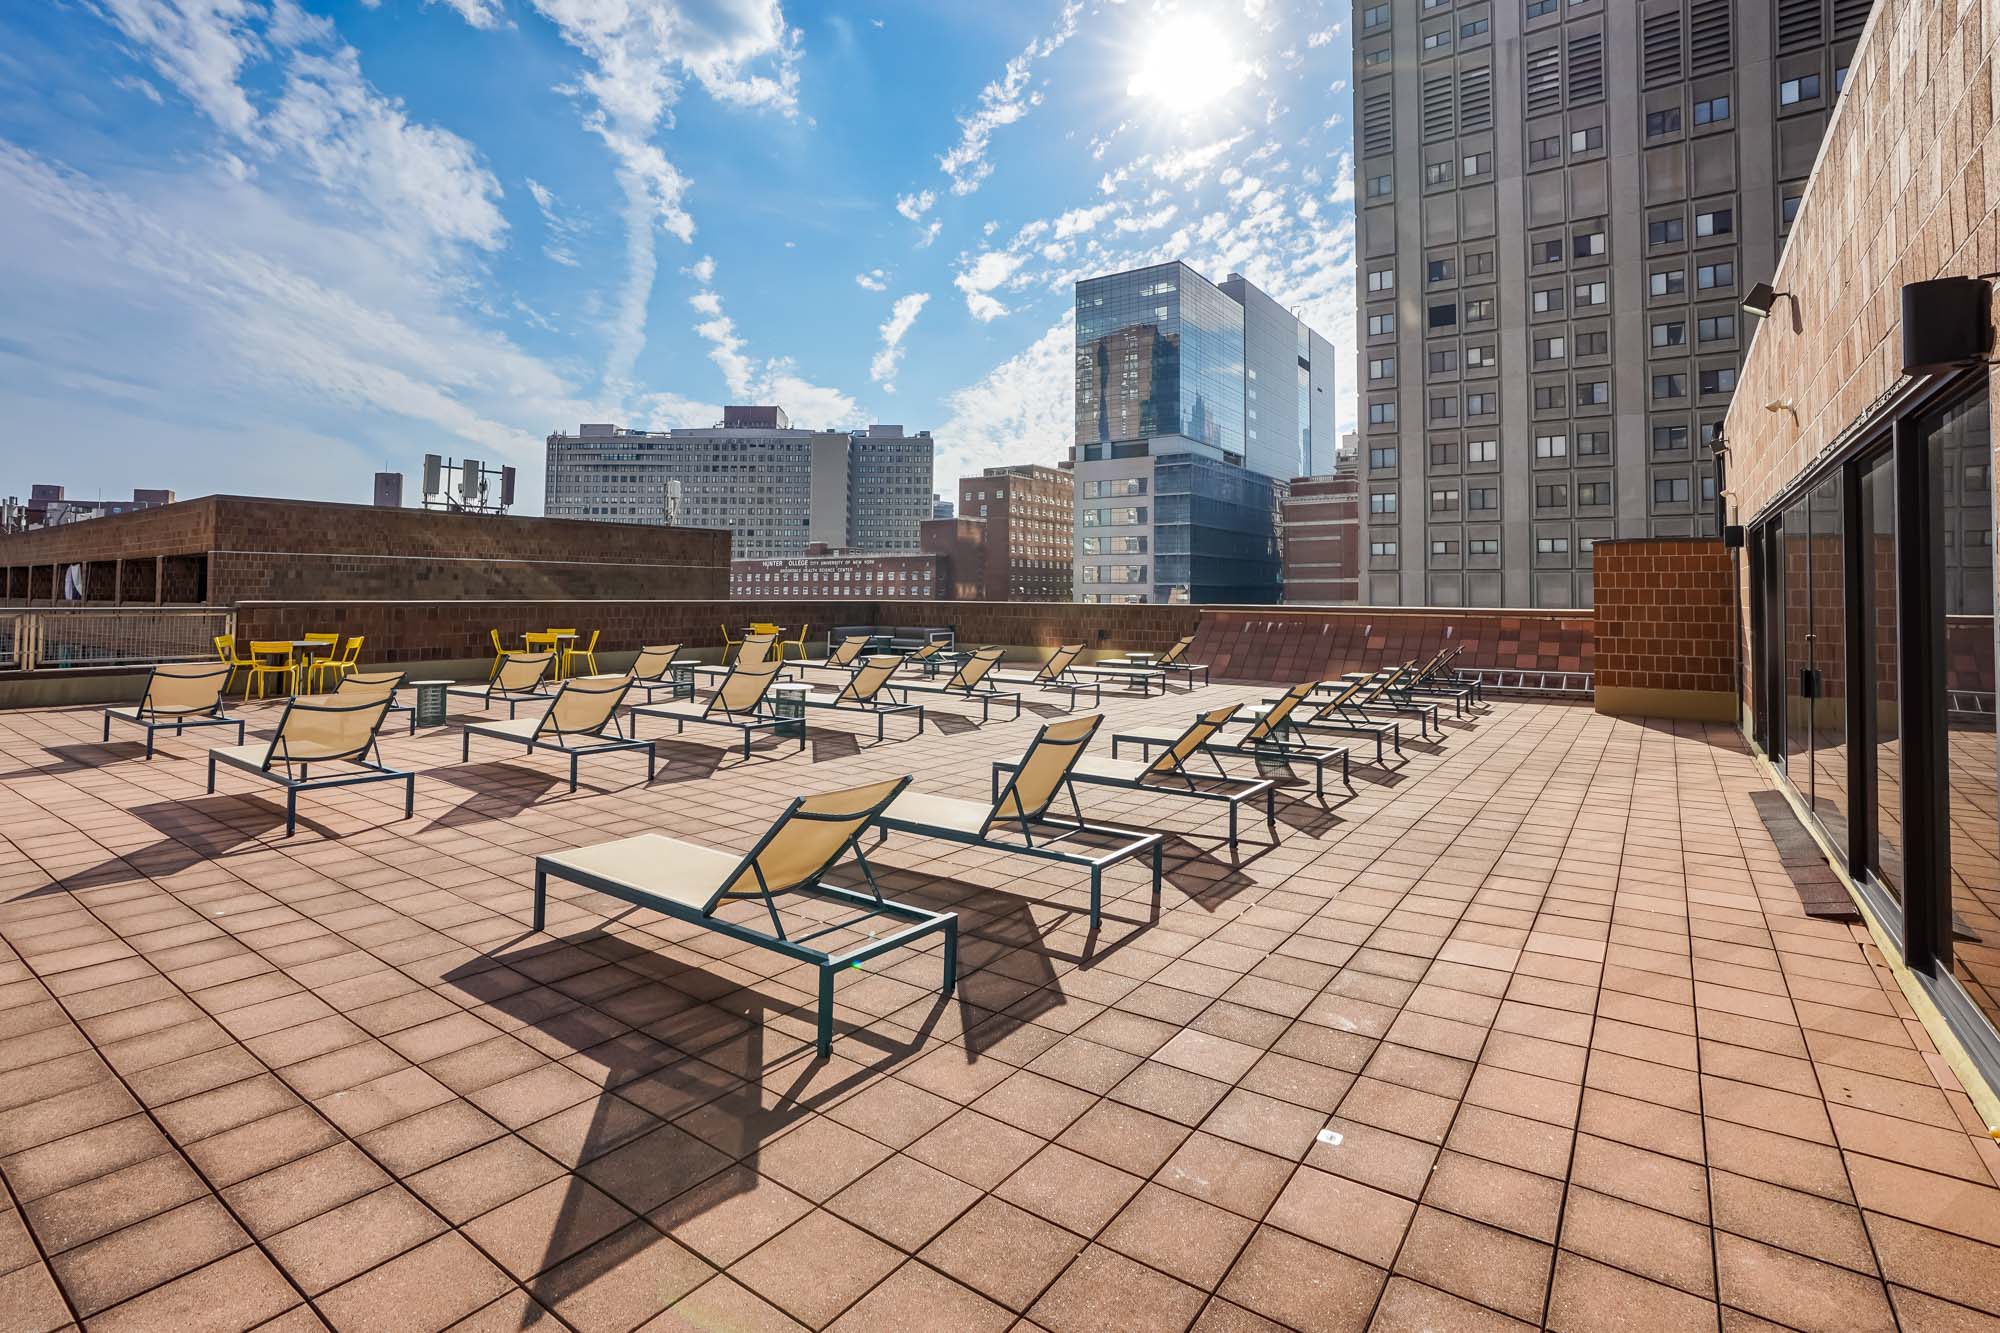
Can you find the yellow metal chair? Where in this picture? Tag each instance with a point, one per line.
(798, 642)
(727, 644)
(262, 649)
(499, 653)
(337, 667)
(310, 658)
(587, 653)
(225, 650)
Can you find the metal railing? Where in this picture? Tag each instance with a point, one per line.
(75, 639)
(1560, 684)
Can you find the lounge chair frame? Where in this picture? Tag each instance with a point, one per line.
(493, 693)
(1335, 715)
(302, 780)
(1026, 822)
(549, 734)
(1269, 740)
(154, 721)
(1056, 674)
(966, 683)
(1245, 789)
(749, 720)
(922, 921)
(874, 703)
(663, 678)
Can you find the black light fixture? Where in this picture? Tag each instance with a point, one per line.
(1758, 302)
(1947, 324)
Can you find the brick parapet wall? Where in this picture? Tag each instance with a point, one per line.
(1665, 614)
(1290, 644)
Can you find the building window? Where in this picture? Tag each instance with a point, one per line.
(1473, 28)
(1380, 186)
(1666, 231)
(1483, 546)
(1670, 333)
(1593, 493)
(1670, 439)
(1668, 282)
(1584, 140)
(1439, 270)
(1538, 8)
(1382, 502)
(1443, 502)
(1802, 89)
(1547, 252)
(1381, 457)
(1479, 311)
(1382, 280)
(1711, 276)
(1548, 300)
(1444, 409)
(1483, 451)
(1551, 546)
(1592, 293)
(1552, 446)
(1443, 546)
(1545, 150)
(1479, 262)
(1478, 164)
(1374, 16)
(1485, 499)
(1593, 344)
(1670, 490)
(1381, 367)
(1548, 397)
(1379, 325)
(1554, 496)
(1593, 442)
(1722, 380)
(1443, 454)
(1593, 393)
(1588, 244)
(1670, 386)
(1443, 360)
(1712, 112)
(1444, 316)
(1437, 40)
(1716, 328)
(1550, 349)
(1721, 222)
(1437, 173)
(1381, 550)
(1481, 404)
(1478, 356)
(1663, 122)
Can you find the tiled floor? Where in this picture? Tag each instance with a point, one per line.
(1530, 1030)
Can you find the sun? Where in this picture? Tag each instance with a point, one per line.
(1187, 63)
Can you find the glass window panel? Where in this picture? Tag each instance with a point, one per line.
(1883, 698)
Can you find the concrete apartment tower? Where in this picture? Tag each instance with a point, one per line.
(1029, 512)
(1561, 206)
(776, 488)
(1195, 404)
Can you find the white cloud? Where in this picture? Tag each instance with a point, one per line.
(890, 358)
(559, 230)
(1021, 411)
(1002, 102)
(134, 84)
(914, 206)
(1081, 221)
(1159, 217)
(978, 280)
(478, 13)
(702, 270)
(668, 411)
(1322, 36)
(199, 46)
(874, 280)
(930, 234)
(776, 380)
(739, 51)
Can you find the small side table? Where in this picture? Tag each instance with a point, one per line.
(430, 706)
(788, 701)
(683, 669)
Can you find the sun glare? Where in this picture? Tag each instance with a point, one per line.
(1187, 64)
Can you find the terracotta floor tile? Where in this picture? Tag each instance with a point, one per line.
(1343, 1215)
(628, 1277)
(32, 1296)
(819, 1158)
(1226, 1174)
(342, 1242)
(1794, 1290)
(977, 1149)
(1497, 1195)
(126, 1262)
(1487, 1266)
(729, 1214)
(1655, 1245)
(1790, 1220)
(429, 1287)
(1411, 1307)
(904, 1201)
(98, 1207)
(1180, 1235)
(241, 1291)
(1103, 1290)
(816, 1268)
(547, 1225)
(1002, 1252)
(1302, 1285)
(917, 1299)
(1069, 1189)
(1589, 1296)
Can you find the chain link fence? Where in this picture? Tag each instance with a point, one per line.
(68, 640)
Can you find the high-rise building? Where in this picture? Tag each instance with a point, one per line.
(1030, 516)
(776, 488)
(1194, 405)
(940, 507)
(1322, 537)
(388, 490)
(1562, 203)
(49, 505)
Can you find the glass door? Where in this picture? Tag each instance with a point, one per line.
(1826, 710)
(1796, 644)
(1881, 715)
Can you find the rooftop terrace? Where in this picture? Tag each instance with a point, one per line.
(1532, 1028)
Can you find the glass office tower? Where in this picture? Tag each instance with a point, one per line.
(1194, 406)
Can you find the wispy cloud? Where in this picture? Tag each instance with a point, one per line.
(1021, 411)
(914, 206)
(1002, 102)
(874, 280)
(774, 380)
(890, 358)
(559, 231)
(978, 280)
(478, 13)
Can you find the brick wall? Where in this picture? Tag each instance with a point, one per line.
(1665, 614)
(1297, 643)
(260, 549)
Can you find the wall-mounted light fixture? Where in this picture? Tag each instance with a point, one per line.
(1761, 299)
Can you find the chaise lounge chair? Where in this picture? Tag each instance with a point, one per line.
(845, 656)
(1339, 714)
(367, 687)
(870, 689)
(519, 680)
(1270, 738)
(1057, 674)
(738, 703)
(689, 882)
(1023, 806)
(758, 646)
(179, 695)
(319, 730)
(581, 713)
(653, 671)
(1169, 776)
(970, 682)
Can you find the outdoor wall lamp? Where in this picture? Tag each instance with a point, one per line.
(1783, 405)
(1762, 298)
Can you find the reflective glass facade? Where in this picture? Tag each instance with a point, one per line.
(1215, 530)
(1159, 351)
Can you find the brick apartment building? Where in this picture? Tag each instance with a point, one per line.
(1029, 545)
(1322, 540)
(823, 573)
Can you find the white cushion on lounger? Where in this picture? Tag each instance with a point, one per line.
(682, 872)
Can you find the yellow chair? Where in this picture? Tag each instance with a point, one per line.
(311, 657)
(260, 649)
(727, 644)
(225, 650)
(799, 643)
(588, 653)
(337, 667)
(547, 641)
(499, 653)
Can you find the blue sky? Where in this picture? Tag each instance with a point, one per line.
(270, 246)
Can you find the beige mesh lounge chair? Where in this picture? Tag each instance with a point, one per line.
(1441, 673)
(653, 671)
(1270, 737)
(369, 686)
(1427, 681)
(846, 654)
(317, 731)
(1339, 714)
(871, 688)
(1175, 661)
(179, 695)
(689, 882)
(582, 719)
(969, 682)
(1387, 693)
(758, 646)
(519, 680)
(738, 702)
(1168, 773)
(1023, 807)
(1058, 673)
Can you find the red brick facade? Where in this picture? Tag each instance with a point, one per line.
(1294, 643)
(222, 549)
(1664, 614)
(1322, 541)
